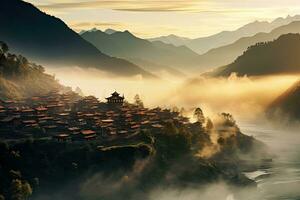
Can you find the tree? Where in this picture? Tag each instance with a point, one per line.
(138, 102)
(198, 114)
(20, 190)
(182, 111)
(228, 119)
(175, 109)
(209, 124)
(4, 47)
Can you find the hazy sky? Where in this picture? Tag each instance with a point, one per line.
(147, 18)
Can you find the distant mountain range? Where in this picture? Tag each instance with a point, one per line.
(157, 55)
(280, 56)
(142, 52)
(286, 106)
(204, 44)
(172, 39)
(227, 54)
(48, 40)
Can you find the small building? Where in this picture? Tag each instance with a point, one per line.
(88, 134)
(115, 99)
(62, 137)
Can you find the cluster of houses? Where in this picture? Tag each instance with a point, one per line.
(69, 117)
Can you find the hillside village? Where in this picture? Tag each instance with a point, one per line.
(70, 117)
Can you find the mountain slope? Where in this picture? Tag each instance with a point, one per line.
(126, 45)
(227, 54)
(204, 44)
(280, 56)
(48, 40)
(20, 78)
(286, 105)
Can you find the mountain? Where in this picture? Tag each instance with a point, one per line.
(91, 30)
(286, 106)
(227, 54)
(204, 44)
(21, 78)
(110, 31)
(280, 56)
(126, 45)
(172, 39)
(48, 40)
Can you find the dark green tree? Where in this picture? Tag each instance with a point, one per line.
(20, 190)
(138, 102)
(198, 114)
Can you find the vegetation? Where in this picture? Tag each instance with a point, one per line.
(276, 57)
(225, 55)
(286, 107)
(138, 102)
(20, 78)
(169, 157)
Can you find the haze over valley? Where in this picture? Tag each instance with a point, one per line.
(184, 100)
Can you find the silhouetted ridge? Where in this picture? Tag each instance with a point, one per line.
(49, 40)
(280, 56)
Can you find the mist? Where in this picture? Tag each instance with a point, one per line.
(244, 97)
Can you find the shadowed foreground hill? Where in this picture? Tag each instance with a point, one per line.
(130, 169)
(20, 78)
(280, 56)
(286, 106)
(48, 40)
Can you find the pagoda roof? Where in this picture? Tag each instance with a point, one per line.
(115, 95)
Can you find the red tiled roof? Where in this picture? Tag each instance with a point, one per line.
(88, 132)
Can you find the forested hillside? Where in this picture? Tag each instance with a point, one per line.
(21, 78)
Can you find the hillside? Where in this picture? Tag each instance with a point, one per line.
(19, 78)
(227, 54)
(48, 40)
(126, 45)
(131, 167)
(286, 106)
(204, 44)
(280, 56)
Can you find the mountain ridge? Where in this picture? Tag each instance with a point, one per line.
(202, 45)
(48, 40)
(265, 58)
(227, 54)
(126, 45)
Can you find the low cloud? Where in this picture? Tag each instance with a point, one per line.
(129, 5)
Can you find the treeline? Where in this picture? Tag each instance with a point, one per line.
(21, 78)
(275, 57)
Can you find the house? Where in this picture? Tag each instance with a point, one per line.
(88, 134)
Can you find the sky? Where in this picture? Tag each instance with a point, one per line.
(152, 18)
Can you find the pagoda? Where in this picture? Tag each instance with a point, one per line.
(115, 99)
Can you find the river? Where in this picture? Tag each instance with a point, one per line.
(282, 180)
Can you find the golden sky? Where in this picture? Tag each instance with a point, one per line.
(147, 18)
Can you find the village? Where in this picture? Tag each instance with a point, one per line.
(69, 117)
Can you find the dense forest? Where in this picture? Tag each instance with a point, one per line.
(129, 169)
(21, 78)
(276, 57)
